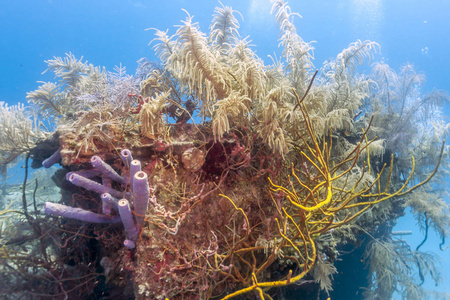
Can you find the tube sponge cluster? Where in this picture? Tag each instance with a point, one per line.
(140, 194)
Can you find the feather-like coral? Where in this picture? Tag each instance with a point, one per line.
(20, 130)
(197, 67)
(224, 28)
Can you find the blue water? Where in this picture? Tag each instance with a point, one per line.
(109, 33)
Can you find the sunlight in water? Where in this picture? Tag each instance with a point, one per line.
(367, 17)
(259, 12)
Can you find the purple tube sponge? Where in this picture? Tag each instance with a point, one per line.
(127, 219)
(134, 168)
(106, 169)
(106, 208)
(53, 159)
(129, 244)
(110, 200)
(78, 213)
(91, 185)
(141, 195)
(126, 156)
(85, 173)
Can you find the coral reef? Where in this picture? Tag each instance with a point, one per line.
(212, 175)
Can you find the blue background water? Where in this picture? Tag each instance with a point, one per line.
(109, 33)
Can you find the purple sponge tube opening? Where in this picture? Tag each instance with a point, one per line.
(53, 159)
(127, 219)
(78, 213)
(134, 168)
(110, 200)
(106, 169)
(85, 173)
(106, 207)
(141, 195)
(129, 244)
(126, 156)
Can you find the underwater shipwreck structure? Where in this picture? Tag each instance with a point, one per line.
(212, 175)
